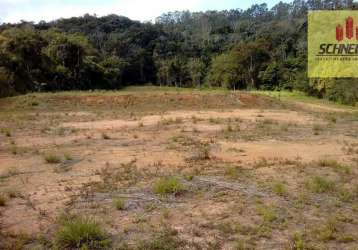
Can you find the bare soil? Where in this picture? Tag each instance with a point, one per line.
(247, 163)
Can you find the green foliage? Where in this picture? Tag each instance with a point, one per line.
(52, 159)
(320, 185)
(80, 233)
(168, 185)
(268, 213)
(119, 204)
(279, 188)
(257, 48)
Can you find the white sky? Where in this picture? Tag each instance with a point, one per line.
(143, 10)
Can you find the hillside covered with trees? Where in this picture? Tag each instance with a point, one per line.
(257, 48)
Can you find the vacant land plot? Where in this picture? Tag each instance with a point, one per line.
(154, 169)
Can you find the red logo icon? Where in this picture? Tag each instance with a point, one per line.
(349, 30)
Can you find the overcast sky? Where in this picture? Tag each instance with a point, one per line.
(143, 10)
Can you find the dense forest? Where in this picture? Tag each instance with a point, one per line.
(257, 48)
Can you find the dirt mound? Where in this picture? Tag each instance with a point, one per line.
(160, 101)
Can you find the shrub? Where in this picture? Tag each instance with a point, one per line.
(168, 185)
(80, 233)
(119, 204)
(52, 159)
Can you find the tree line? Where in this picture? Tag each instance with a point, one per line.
(257, 48)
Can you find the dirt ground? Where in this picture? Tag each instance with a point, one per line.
(256, 173)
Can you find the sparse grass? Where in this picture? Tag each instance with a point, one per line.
(52, 159)
(10, 173)
(317, 129)
(268, 213)
(279, 188)
(12, 193)
(320, 184)
(298, 242)
(259, 224)
(170, 121)
(332, 118)
(330, 163)
(81, 233)
(14, 150)
(233, 172)
(262, 163)
(6, 132)
(68, 157)
(119, 204)
(168, 185)
(346, 195)
(328, 231)
(166, 240)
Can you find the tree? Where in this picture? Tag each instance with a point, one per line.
(196, 68)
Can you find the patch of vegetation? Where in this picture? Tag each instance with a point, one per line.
(262, 163)
(6, 132)
(168, 185)
(119, 204)
(330, 163)
(170, 121)
(328, 231)
(52, 159)
(317, 129)
(204, 151)
(268, 213)
(126, 174)
(345, 195)
(10, 173)
(68, 157)
(233, 172)
(279, 188)
(81, 233)
(320, 184)
(166, 240)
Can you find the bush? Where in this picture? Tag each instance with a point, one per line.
(119, 204)
(80, 233)
(52, 159)
(168, 185)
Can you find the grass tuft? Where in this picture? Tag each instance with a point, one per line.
(330, 163)
(52, 159)
(279, 188)
(80, 233)
(119, 204)
(168, 185)
(268, 213)
(320, 185)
